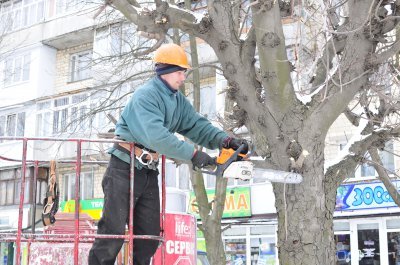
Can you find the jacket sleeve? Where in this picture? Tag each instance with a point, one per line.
(146, 124)
(199, 129)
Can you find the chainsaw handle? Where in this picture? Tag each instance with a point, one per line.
(221, 168)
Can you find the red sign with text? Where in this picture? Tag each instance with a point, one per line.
(180, 240)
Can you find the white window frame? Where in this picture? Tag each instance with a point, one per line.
(19, 14)
(17, 69)
(176, 177)
(67, 6)
(10, 187)
(70, 114)
(60, 115)
(208, 101)
(119, 39)
(360, 175)
(44, 119)
(69, 186)
(80, 66)
(12, 124)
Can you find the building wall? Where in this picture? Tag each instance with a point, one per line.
(63, 69)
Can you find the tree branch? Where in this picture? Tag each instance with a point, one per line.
(377, 59)
(352, 117)
(342, 170)
(275, 75)
(158, 21)
(383, 175)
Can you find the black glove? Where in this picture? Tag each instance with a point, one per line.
(235, 143)
(201, 159)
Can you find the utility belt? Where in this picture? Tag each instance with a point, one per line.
(144, 156)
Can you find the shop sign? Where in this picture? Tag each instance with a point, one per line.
(237, 202)
(363, 196)
(180, 240)
(91, 207)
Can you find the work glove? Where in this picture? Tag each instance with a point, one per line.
(201, 159)
(235, 143)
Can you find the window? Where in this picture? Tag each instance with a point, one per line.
(208, 105)
(43, 119)
(119, 39)
(123, 38)
(81, 66)
(60, 115)
(387, 160)
(67, 114)
(85, 189)
(79, 113)
(21, 13)
(176, 177)
(184, 177)
(10, 186)
(12, 124)
(17, 69)
(64, 6)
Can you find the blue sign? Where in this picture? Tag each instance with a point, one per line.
(363, 196)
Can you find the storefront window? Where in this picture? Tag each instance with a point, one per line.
(368, 244)
(263, 251)
(235, 250)
(263, 245)
(394, 248)
(393, 241)
(343, 256)
(251, 245)
(342, 241)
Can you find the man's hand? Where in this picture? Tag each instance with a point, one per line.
(235, 143)
(201, 159)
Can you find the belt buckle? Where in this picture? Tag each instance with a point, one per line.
(140, 158)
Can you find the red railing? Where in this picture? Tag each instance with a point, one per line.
(76, 237)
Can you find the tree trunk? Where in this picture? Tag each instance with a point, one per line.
(214, 243)
(305, 216)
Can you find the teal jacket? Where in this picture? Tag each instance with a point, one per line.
(152, 116)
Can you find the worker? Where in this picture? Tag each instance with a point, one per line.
(153, 114)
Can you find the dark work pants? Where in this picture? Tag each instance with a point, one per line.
(146, 216)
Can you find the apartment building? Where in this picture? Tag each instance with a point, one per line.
(62, 70)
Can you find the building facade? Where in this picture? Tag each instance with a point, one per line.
(62, 71)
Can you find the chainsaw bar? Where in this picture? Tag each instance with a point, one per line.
(245, 170)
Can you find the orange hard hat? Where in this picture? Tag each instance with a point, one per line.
(171, 54)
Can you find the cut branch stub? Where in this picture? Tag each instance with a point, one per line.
(270, 39)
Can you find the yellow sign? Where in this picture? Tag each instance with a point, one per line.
(237, 202)
(93, 207)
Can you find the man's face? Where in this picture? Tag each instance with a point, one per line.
(175, 79)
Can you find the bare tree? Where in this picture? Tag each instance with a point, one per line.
(350, 44)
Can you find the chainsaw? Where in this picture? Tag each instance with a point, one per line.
(233, 164)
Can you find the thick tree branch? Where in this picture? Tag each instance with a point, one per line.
(164, 17)
(333, 47)
(383, 175)
(272, 54)
(351, 76)
(342, 170)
